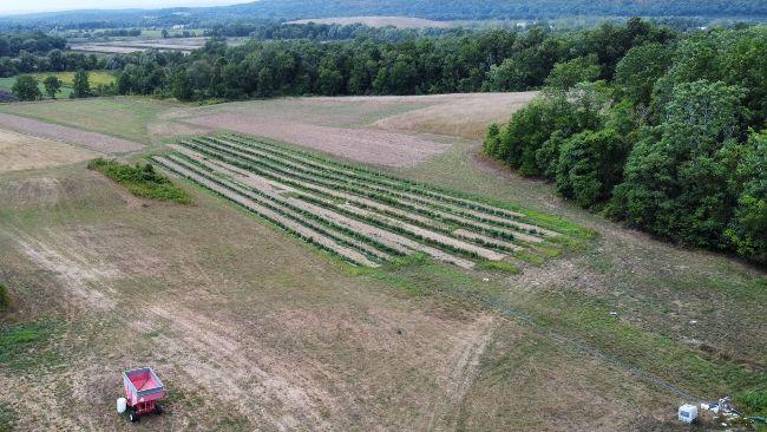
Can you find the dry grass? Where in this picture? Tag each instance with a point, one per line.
(464, 116)
(22, 152)
(379, 21)
(91, 140)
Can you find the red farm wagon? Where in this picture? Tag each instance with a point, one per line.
(143, 390)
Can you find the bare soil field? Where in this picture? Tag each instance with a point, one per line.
(395, 131)
(368, 145)
(379, 21)
(23, 152)
(90, 140)
(186, 45)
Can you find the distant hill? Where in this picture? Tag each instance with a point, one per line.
(427, 9)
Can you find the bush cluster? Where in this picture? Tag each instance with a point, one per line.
(672, 142)
(141, 180)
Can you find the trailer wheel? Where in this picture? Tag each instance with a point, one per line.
(158, 409)
(133, 416)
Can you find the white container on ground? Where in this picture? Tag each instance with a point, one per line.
(122, 405)
(688, 413)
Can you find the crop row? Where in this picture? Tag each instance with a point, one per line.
(312, 205)
(488, 224)
(374, 177)
(285, 222)
(303, 212)
(290, 179)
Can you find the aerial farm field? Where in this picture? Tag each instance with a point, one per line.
(346, 264)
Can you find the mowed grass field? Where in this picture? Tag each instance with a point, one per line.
(95, 78)
(252, 327)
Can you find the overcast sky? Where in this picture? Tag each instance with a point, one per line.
(20, 6)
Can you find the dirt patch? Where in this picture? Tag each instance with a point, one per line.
(91, 140)
(464, 116)
(22, 152)
(363, 145)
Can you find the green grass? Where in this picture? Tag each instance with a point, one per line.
(26, 345)
(8, 418)
(124, 117)
(581, 321)
(141, 180)
(502, 266)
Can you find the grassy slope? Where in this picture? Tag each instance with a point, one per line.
(692, 317)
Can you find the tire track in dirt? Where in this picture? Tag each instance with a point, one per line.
(218, 363)
(463, 369)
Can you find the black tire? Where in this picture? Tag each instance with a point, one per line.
(158, 409)
(133, 417)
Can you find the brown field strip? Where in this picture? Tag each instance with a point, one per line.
(363, 145)
(22, 152)
(90, 140)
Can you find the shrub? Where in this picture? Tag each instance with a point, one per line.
(141, 180)
(752, 402)
(5, 300)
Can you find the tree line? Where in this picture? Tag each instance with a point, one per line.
(499, 60)
(671, 139)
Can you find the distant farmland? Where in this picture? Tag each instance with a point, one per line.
(127, 46)
(380, 21)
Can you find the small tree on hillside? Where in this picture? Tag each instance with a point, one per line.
(26, 88)
(81, 87)
(52, 86)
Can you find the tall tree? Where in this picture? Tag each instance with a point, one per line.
(27, 88)
(81, 87)
(52, 86)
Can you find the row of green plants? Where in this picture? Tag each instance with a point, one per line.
(433, 224)
(286, 176)
(372, 248)
(399, 196)
(252, 209)
(377, 178)
(382, 225)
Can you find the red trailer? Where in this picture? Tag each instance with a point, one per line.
(142, 391)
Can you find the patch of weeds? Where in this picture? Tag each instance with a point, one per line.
(752, 403)
(141, 180)
(26, 345)
(590, 320)
(5, 299)
(502, 266)
(8, 418)
(233, 423)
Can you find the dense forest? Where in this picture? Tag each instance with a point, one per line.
(670, 137)
(434, 9)
(498, 60)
